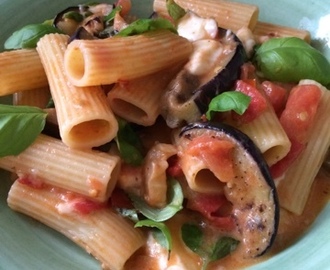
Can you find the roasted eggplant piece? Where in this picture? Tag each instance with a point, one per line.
(245, 180)
(212, 69)
(84, 21)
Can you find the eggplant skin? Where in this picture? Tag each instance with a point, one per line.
(256, 211)
(188, 95)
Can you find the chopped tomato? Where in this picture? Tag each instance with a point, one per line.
(296, 119)
(257, 105)
(282, 165)
(216, 153)
(125, 5)
(300, 111)
(277, 95)
(215, 207)
(174, 168)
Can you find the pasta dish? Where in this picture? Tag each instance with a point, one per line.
(191, 139)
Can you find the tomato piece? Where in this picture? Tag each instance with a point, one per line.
(215, 207)
(300, 111)
(277, 95)
(296, 119)
(174, 168)
(257, 105)
(282, 165)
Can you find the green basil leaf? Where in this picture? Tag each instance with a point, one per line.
(175, 196)
(227, 101)
(110, 17)
(174, 10)
(28, 36)
(223, 247)
(291, 59)
(165, 238)
(192, 236)
(129, 144)
(146, 25)
(19, 127)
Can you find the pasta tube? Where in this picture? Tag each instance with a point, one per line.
(137, 100)
(228, 14)
(84, 117)
(21, 70)
(110, 238)
(106, 61)
(90, 173)
(294, 188)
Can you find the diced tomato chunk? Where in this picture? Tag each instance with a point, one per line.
(257, 105)
(300, 111)
(277, 95)
(296, 119)
(174, 169)
(282, 165)
(214, 207)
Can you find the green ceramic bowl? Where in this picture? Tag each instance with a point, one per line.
(27, 244)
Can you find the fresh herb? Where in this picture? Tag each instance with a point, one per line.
(175, 196)
(223, 247)
(208, 249)
(192, 236)
(110, 17)
(164, 237)
(19, 127)
(174, 10)
(129, 144)
(146, 25)
(291, 59)
(227, 101)
(28, 36)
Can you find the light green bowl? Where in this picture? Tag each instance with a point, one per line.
(27, 244)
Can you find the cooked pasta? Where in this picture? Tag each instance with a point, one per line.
(137, 100)
(84, 117)
(95, 230)
(90, 173)
(21, 70)
(97, 62)
(228, 14)
(144, 140)
(295, 186)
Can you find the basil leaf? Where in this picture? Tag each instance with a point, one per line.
(28, 36)
(192, 236)
(174, 10)
(223, 247)
(291, 59)
(110, 17)
(146, 25)
(227, 101)
(19, 127)
(161, 214)
(129, 144)
(165, 238)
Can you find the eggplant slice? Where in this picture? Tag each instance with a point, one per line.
(188, 95)
(252, 192)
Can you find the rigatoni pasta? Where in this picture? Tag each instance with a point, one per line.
(137, 100)
(294, 188)
(84, 116)
(90, 173)
(21, 70)
(228, 14)
(99, 231)
(105, 61)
